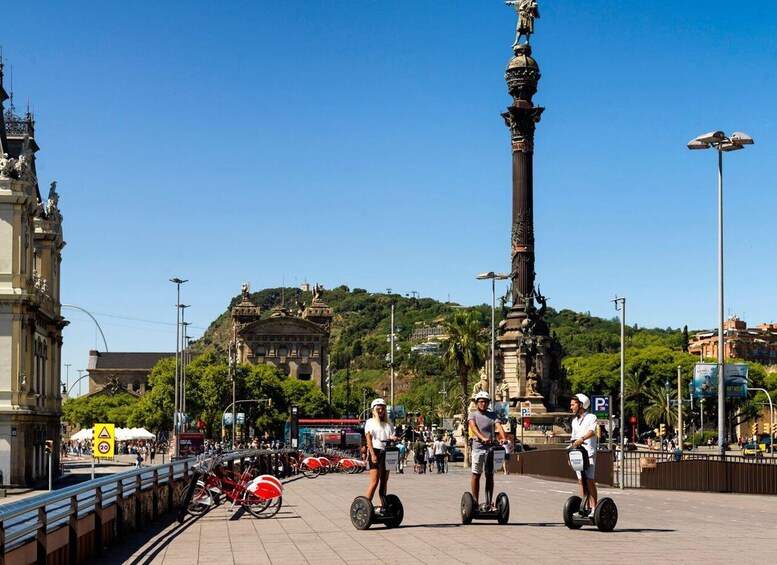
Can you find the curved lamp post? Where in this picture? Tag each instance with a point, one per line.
(722, 143)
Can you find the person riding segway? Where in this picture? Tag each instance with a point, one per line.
(488, 455)
(382, 457)
(584, 509)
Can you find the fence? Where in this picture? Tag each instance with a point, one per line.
(73, 524)
(699, 472)
(661, 470)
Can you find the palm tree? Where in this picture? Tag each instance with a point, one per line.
(465, 349)
(657, 409)
(636, 394)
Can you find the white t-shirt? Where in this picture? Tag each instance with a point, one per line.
(379, 431)
(440, 448)
(581, 426)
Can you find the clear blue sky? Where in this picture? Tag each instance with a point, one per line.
(360, 143)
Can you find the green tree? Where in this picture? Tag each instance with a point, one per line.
(307, 396)
(155, 409)
(465, 349)
(657, 409)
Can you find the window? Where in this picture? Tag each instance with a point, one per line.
(260, 351)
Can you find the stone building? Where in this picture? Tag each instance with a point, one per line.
(30, 310)
(109, 372)
(297, 341)
(758, 344)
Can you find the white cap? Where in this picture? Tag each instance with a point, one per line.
(377, 402)
(482, 394)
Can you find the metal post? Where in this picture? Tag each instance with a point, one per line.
(680, 405)
(771, 417)
(392, 363)
(51, 455)
(621, 468)
(492, 383)
(177, 402)
(721, 350)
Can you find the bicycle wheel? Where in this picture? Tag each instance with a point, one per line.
(310, 473)
(201, 500)
(261, 508)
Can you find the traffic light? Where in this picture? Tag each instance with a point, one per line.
(754, 428)
(662, 430)
(49, 446)
(767, 428)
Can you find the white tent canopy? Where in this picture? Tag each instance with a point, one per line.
(122, 434)
(82, 435)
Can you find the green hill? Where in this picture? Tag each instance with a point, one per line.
(359, 341)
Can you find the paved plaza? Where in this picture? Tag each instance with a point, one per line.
(314, 527)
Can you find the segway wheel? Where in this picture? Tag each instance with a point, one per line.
(606, 515)
(467, 508)
(572, 506)
(395, 509)
(362, 513)
(502, 508)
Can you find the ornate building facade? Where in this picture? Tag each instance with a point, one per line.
(297, 342)
(30, 310)
(111, 372)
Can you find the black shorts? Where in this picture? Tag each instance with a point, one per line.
(369, 460)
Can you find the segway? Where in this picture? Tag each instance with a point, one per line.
(577, 512)
(500, 512)
(391, 512)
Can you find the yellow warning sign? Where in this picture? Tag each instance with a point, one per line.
(103, 440)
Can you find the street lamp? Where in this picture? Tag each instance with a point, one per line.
(177, 282)
(622, 302)
(667, 388)
(721, 142)
(493, 277)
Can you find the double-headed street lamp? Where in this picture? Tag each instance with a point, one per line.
(721, 142)
(491, 275)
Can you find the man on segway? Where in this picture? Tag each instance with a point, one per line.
(482, 423)
(584, 433)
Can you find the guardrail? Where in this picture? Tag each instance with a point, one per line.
(78, 522)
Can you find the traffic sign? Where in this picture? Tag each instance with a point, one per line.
(600, 406)
(104, 435)
(525, 409)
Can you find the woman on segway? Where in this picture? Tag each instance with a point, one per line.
(482, 424)
(378, 430)
(584, 433)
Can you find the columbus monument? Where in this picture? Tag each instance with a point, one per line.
(529, 357)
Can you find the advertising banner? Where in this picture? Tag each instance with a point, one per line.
(502, 410)
(705, 380)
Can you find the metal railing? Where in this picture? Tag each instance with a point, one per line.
(668, 470)
(87, 517)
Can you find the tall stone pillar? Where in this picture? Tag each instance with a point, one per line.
(529, 355)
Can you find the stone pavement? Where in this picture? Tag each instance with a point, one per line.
(314, 527)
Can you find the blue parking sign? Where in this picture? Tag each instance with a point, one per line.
(600, 405)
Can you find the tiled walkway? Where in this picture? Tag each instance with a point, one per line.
(314, 527)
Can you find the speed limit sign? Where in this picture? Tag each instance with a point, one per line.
(104, 447)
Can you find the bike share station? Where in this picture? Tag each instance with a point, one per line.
(500, 511)
(391, 512)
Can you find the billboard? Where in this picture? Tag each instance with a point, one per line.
(705, 380)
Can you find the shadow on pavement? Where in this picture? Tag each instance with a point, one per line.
(149, 539)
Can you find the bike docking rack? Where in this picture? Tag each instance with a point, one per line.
(237, 481)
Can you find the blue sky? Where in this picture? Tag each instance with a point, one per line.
(360, 143)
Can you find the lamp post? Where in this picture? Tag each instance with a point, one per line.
(721, 142)
(177, 282)
(491, 275)
(667, 388)
(771, 417)
(67, 377)
(621, 468)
